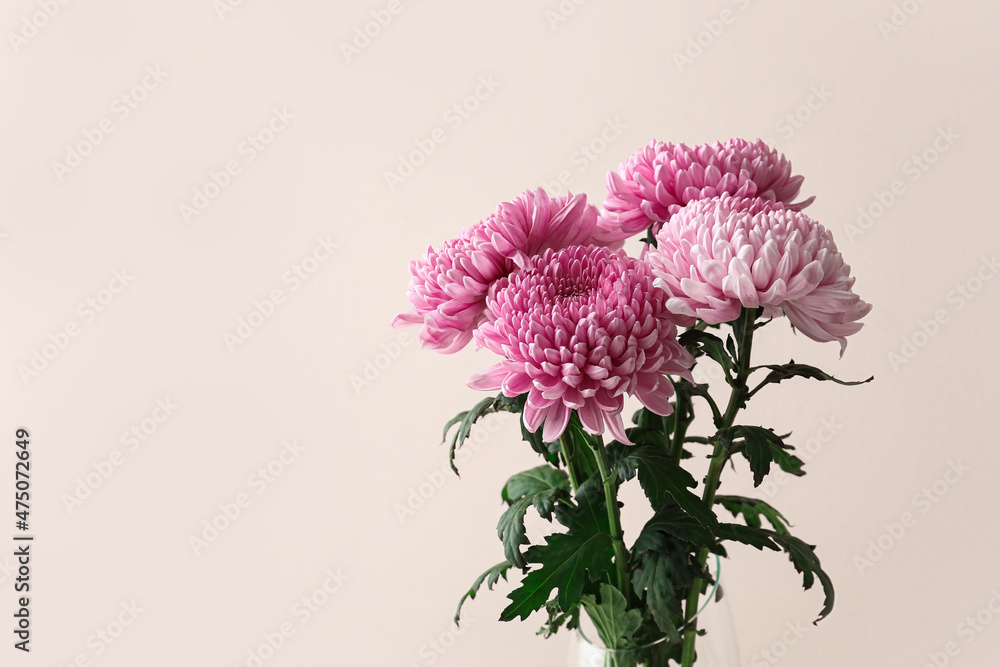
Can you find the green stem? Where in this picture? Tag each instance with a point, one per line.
(737, 399)
(614, 515)
(574, 481)
(681, 423)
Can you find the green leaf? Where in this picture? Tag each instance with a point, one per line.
(786, 461)
(567, 561)
(662, 568)
(664, 576)
(702, 342)
(510, 530)
(802, 555)
(663, 480)
(540, 487)
(646, 418)
(752, 510)
(673, 521)
(490, 576)
(558, 618)
(761, 447)
(616, 626)
(465, 420)
(781, 372)
(544, 485)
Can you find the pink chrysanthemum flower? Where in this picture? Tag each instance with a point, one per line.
(579, 328)
(662, 178)
(448, 287)
(719, 255)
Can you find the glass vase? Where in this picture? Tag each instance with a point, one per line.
(717, 648)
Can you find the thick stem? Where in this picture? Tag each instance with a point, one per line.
(614, 515)
(737, 399)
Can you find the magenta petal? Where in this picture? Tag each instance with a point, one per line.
(490, 379)
(556, 422)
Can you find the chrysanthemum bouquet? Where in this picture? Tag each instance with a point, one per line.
(578, 325)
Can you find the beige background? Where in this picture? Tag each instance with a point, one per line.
(586, 73)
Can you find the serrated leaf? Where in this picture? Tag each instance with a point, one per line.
(465, 420)
(802, 555)
(660, 577)
(761, 446)
(567, 561)
(616, 625)
(510, 530)
(752, 509)
(662, 569)
(558, 618)
(754, 537)
(672, 521)
(538, 480)
(663, 481)
(787, 461)
(709, 345)
(780, 372)
(490, 576)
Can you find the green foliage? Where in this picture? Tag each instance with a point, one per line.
(541, 483)
(703, 343)
(802, 555)
(540, 487)
(663, 571)
(761, 447)
(752, 510)
(616, 625)
(465, 420)
(490, 577)
(570, 562)
(664, 481)
(792, 369)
